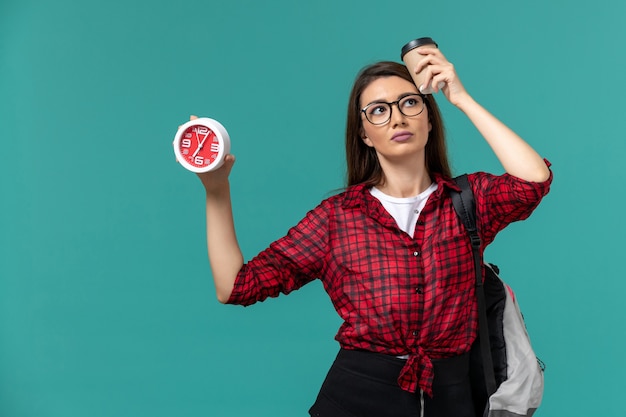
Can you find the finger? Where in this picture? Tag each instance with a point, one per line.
(431, 61)
(438, 84)
(427, 79)
(422, 64)
(433, 58)
(431, 50)
(426, 50)
(434, 81)
(229, 159)
(446, 70)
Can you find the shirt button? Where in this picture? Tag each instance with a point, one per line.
(416, 253)
(415, 333)
(419, 289)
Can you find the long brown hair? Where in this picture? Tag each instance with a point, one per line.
(362, 161)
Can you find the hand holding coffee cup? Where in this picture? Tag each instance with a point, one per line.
(412, 57)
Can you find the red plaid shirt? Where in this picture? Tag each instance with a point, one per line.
(397, 294)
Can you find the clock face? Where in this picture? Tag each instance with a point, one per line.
(200, 145)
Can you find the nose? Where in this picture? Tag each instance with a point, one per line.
(396, 117)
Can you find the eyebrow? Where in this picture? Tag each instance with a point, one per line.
(400, 97)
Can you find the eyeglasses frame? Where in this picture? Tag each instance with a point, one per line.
(397, 103)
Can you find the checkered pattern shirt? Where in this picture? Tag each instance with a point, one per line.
(397, 294)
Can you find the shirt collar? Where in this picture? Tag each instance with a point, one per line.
(444, 183)
(358, 195)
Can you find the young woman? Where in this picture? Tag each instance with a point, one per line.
(389, 250)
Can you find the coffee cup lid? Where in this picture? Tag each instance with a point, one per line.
(416, 43)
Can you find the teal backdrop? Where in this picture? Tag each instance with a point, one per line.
(107, 307)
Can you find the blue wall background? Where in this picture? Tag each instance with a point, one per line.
(106, 299)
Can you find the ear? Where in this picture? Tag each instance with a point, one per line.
(367, 141)
(364, 138)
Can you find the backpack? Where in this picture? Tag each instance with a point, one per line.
(506, 376)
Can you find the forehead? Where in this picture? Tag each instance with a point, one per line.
(387, 89)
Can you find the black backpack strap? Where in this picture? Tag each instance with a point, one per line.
(465, 208)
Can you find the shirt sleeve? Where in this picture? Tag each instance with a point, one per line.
(504, 199)
(288, 263)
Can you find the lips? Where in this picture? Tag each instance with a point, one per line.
(401, 136)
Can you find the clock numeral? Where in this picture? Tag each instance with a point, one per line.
(188, 135)
(185, 143)
(198, 160)
(215, 147)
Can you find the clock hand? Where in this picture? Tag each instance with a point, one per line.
(200, 145)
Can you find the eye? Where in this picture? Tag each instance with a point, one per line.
(377, 109)
(410, 102)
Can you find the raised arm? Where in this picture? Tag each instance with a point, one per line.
(516, 156)
(225, 256)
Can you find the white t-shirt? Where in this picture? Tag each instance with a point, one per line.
(404, 210)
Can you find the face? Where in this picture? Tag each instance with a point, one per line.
(402, 137)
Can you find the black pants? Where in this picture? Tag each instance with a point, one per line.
(364, 384)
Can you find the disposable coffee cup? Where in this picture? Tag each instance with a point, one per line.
(411, 58)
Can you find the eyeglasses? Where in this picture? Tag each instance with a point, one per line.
(379, 112)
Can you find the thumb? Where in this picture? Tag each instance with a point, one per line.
(229, 161)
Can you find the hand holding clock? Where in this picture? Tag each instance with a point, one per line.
(214, 175)
(201, 144)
